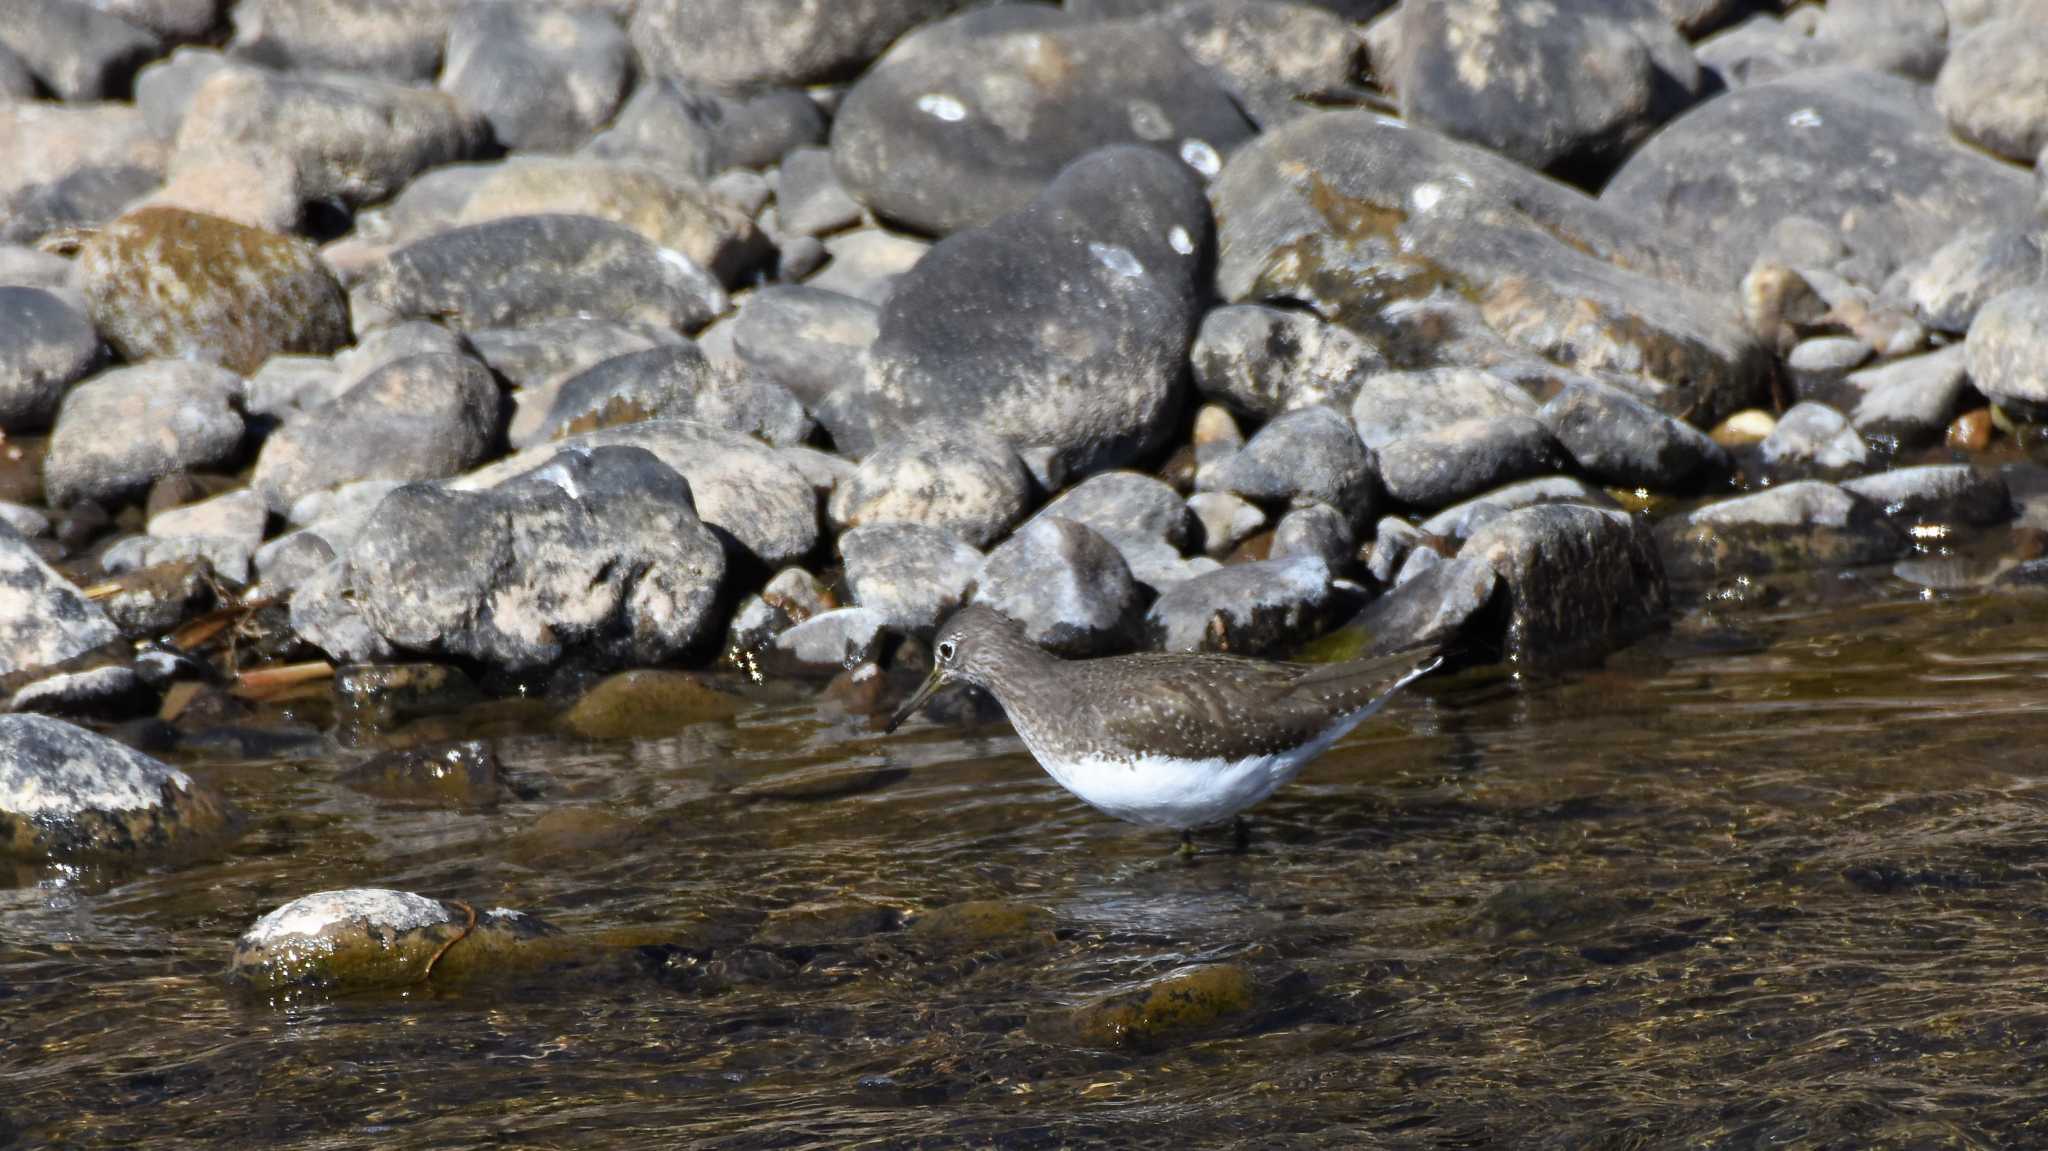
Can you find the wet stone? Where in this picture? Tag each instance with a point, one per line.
(1814, 440)
(171, 283)
(364, 939)
(544, 80)
(1580, 582)
(828, 643)
(983, 925)
(382, 696)
(1262, 361)
(1068, 586)
(119, 432)
(1620, 440)
(1433, 604)
(1303, 457)
(911, 574)
(45, 347)
(1807, 523)
(1170, 1011)
(1460, 520)
(528, 269)
(421, 418)
(1107, 256)
(1909, 401)
(151, 601)
(961, 122)
(66, 792)
(1955, 494)
(463, 774)
(1227, 520)
(805, 338)
(647, 704)
(106, 693)
(1248, 609)
(942, 473)
(815, 924)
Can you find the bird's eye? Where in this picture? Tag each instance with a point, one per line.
(946, 651)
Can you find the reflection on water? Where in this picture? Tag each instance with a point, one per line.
(1770, 880)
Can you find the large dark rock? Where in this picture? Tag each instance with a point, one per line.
(809, 340)
(1569, 86)
(1727, 171)
(1068, 586)
(968, 119)
(121, 431)
(45, 347)
(424, 417)
(1804, 524)
(596, 553)
(1366, 220)
(1580, 581)
(1063, 327)
(527, 269)
(164, 282)
(1255, 608)
(942, 473)
(66, 792)
(771, 41)
(543, 79)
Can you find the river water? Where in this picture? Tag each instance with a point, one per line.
(1774, 878)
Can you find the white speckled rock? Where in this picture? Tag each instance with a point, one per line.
(365, 938)
(65, 792)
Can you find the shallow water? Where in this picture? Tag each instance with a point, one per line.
(1771, 879)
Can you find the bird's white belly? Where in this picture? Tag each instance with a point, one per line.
(1178, 794)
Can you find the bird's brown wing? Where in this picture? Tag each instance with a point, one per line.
(1199, 706)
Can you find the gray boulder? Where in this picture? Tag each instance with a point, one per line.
(942, 473)
(537, 359)
(1310, 456)
(1620, 440)
(1067, 585)
(2007, 350)
(809, 340)
(771, 41)
(543, 79)
(1941, 494)
(1994, 88)
(66, 792)
(1814, 439)
(1807, 523)
(1262, 361)
(121, 431)
(1254, 608)
(1460, 460)
(45, 347)
(46, 620)
(1580, 582)
(676, 382)
(910, 574)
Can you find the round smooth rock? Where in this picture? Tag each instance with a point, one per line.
(1068, 586)
(1620, 440)
(1317, 530)
(1460, 460)
(677, 382)
(2007, 349)
(1813, 439)
(66, 792)
(943, 473)
(807, 339)
(1254, 608)
(543, 79)
(1308, 456)
(771, 41)
(369, 938)
(167, 283)
(45, 347)
(1993, 89)
(912, 575)
(119, 432)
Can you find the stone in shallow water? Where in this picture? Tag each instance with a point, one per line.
(368, 938)
(913, 575)
(1068, 586)
(1461, 520)
(1937, 494)
(45, 347)
(943, 473)
(970, 118)
(828, 643)
(121, 431)
(1907, 401)
(647, 704)
(164, 282)
(1168, 1011)
(1247, 609)
(1580, 581)
(464, 774)
(1814, 439)
(66, 792)
(1807, 523)
(1433, 604)
(1062, 327)
(383, 696)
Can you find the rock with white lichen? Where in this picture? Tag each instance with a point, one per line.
(371, 938)
(66, 793)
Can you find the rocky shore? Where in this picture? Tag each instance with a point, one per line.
(387, 353)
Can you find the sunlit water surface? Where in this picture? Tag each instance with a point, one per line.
(1767, 880)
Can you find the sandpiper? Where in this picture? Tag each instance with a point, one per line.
(1164, 740)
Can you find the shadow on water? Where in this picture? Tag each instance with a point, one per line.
(1775, 883)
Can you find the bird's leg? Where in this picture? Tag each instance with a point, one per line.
(1241, 835)
(1187, 844)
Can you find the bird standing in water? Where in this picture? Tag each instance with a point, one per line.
(1164, 740)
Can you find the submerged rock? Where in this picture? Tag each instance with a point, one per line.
(1802, 524)
(66, 792)
(368, 938)
(463, 774)
(1170, 1010)
(648, 704)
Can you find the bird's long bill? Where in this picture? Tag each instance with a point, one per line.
(917, 700)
